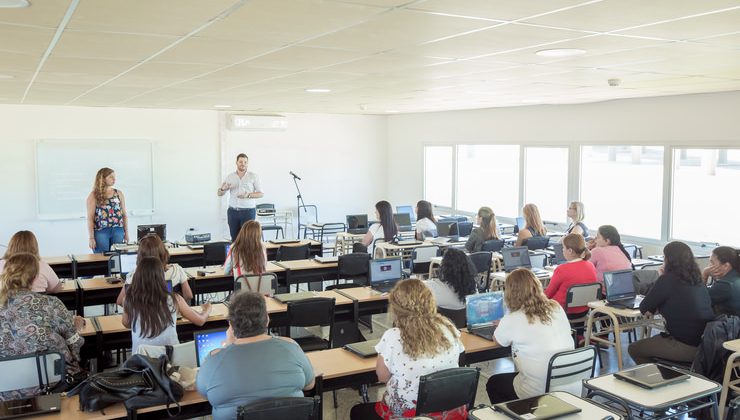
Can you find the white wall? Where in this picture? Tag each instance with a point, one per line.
(340, 158)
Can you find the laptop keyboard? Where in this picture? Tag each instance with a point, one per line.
(485, 332)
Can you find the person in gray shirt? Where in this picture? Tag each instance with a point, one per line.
(252, 365)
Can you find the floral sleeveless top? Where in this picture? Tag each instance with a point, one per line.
(109, 214)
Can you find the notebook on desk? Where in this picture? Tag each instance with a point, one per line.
(540, 407)
(651, 376)
(40, 404)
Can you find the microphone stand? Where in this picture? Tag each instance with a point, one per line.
(300, 201)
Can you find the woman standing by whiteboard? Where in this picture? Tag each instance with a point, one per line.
(107, 222)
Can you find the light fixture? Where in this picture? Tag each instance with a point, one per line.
(222, 106)
(14, 4)
(318, 90)
(561, 52)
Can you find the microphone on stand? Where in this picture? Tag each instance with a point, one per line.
(295, 176)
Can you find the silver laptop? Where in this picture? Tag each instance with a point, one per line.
(620, 290)
(385, 273)
(518, 257)
(481, 311)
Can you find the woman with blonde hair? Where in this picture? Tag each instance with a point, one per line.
(24, 241)
(247, 254)
(107, 222)
(536, 328)
(533, 226)
(487, 229)
(421, 342)
(576, 214)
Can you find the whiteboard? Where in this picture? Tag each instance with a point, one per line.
(65, 172)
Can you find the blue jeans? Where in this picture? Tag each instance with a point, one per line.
(238, 217)
(106, 237)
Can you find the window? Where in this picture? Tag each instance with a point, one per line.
(546, 181)
(488, 175)
(705, 195)
(438, 175)
(623, 186)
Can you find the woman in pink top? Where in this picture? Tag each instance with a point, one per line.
(578, 270)
(24, 241)
(608, 253)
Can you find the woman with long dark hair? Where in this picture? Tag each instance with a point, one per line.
(386, 228)
(456, 280)
(724, 268)
(107, 222)
(608, 253)
(680, 297)
(426, 224)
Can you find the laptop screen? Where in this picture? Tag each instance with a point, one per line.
(128, 263)
(559, 257)
(408, 210)
(402, 219)
(484, 308)
(207, 341)
(357, 221)
(444, 227)
(384, 270)
(516, 257)
(520, 222)
(619, 285)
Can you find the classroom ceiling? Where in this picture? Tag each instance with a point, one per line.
(376, 56)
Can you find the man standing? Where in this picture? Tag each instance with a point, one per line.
(244, 189)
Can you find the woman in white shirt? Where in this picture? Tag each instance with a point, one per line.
(426, 224)
(456, 280)
(386, 229)
(536, 328)
(421, 342)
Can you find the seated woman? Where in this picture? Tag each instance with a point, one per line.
(426, 224)
(536, 328)
(578, 270)
(456, 280)
(533, 227)
(152, 246)
(608, 253)
(487, 229)
(681, 298)
(576, 214)
(724, 267)
(421, 342)
(248, 254)
(24, 241)
(151, 311)
(386, 229)
(253, 365)
(33, 322)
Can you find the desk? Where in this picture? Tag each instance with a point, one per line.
(307, 271)
(590, 410)
(96, 291)
(369, 301)
(730, 380)
(314, 248)
(391, 250)
(63, 266)
(69, 295)
(216, 280)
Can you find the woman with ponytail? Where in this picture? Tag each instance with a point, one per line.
(421, 342)
(107, 222)
(577, 270)
(487, 229)
(608, 253)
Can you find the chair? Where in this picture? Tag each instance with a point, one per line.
(265, 284)
(580, 295)
(537, 242)
(464, 228)
(286, 408)
(312, 312)
(267, 210)
(539, 259)
(421, 257)
(458, 317)
(482, 262)
(730, 381)
(214, 253)
(567, 369)
(493, 245)
(290, 253)
(633, 250)
(644, 280)
(183, 354)
(354, 267)
(447, 389)
(42, 370)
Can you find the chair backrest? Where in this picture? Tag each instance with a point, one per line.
(355, 266)
(214, 253)
(644, 280)
(482, 261)
(464, 228)
(265, 284)
(309, 214)
(457, 316)
(447, 389)
(493, 245)
(290, 253)
(567, 369)
(318, 311)
(42, 370)
(286, 408)
(582, 294)
(265, 206)
(183, 354)
(538, 242)
(424, 254)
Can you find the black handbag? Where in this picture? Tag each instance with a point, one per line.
(140, 382)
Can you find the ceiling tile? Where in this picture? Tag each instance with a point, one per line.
(24, 39)
(44, 13)
(112, 46)
(696, 27)
(304, 58)
(57, 64)
(499, 10)
(213, 51)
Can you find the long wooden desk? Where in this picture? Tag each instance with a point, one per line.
(215, 280)
(307, 271)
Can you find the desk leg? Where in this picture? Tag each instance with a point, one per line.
(617, 339)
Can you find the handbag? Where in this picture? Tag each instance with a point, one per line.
(140, 382)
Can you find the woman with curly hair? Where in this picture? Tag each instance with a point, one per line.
(107, 222)
(456, 280)
(680, 296)
(536, 328)
(421, 342)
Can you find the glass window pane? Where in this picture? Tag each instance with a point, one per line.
(623, 186)
(438, 175)
(546, 181)
(705, 197)
(488, 175)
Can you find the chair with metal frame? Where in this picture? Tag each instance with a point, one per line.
(447, 389)
(267, 210)
(537, 242)
(214, 253)
(482, 261)
(284, 408)
(265, 284)
(312, 312)
(353, 267)
(421, 258)
(183, 354)
(458, 317)
(464, 228)
(493, 245)
(292, 253)
(567, 369)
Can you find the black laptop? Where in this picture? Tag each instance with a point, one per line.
(40, 404)
(357, 223)
(620, 290)
(518, 257)
(385, 273)
(541, 407)
(403, 220)
(651, 375)
(447, 229)
(558, 258)
(363, 348)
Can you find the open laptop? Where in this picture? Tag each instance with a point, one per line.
(284, 241)
(481, 311)
(292, 297)
(127, 263)
(518, 257)
(559, 258)
(408, 210)
(620, 290)
(447, 229)
(540, 407)
(385, 273)
(651, 376)
(363, 348)
(40, 404)
(357, 223)
(403, 220)
(206, 341)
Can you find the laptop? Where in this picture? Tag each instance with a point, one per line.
(540, 407)
(518, 257)
(357, 223)
(284, 241)
(207, 341)
(403, 220)
(363, 348)
(292, 297)
(447, 229)
(620, 290)
(128, 263)
(651, 376)
(326, 260)
(481, 311)
(40, 404)
(385, 273)
(559, 258)
(408, 210)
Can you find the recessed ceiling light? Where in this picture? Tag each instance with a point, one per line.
(14, 4)
(6, 76)
(222, 106)
(560, 52)
(318, 90)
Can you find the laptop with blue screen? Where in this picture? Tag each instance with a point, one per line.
(385, 273)
(207, 341)
(482, 310)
